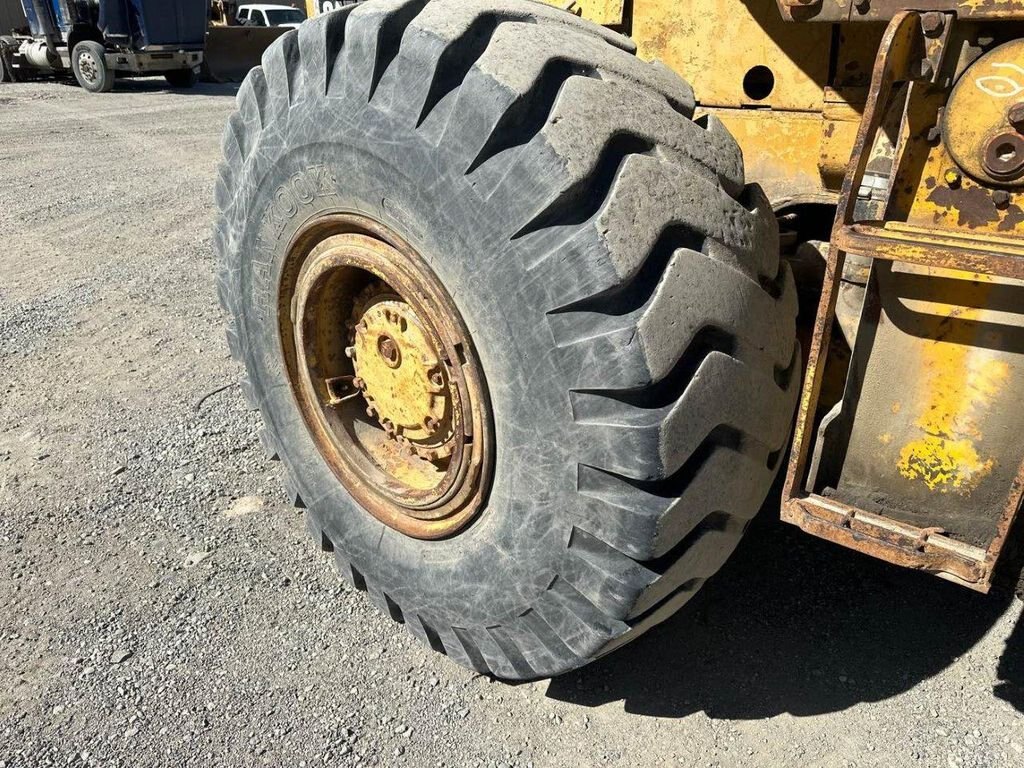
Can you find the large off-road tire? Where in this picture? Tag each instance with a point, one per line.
(620, 283)
(88, 62)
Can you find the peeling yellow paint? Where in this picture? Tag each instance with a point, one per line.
(959, 391)
(943, 464)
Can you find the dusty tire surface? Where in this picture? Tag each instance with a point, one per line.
(620, 281)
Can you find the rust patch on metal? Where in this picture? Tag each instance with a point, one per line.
(974, 206)
(1014, 217)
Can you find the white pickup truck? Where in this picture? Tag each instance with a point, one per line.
(268, 15)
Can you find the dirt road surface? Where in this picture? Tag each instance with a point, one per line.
(160, 603)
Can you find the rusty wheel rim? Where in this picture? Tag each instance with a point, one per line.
(386, 376)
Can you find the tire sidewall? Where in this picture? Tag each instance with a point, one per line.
(512, 551)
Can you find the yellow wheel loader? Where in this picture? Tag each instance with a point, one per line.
(537, 300)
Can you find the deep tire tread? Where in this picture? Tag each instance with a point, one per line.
(662, 483)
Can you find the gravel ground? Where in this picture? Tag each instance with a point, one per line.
(161, 605)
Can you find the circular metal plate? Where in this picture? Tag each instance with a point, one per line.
(976, 123)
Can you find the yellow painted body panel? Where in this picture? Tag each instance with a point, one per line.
(606, 12)
(316, 7)
(798, 151)
(715, 43)
(959, 385)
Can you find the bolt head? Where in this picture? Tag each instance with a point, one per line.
(1004, 156)
(933, 23)
(1015, 116)
(1001, 198)
(953, 178)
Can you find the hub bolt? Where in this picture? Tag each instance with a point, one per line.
(933, 23)
(388, 350)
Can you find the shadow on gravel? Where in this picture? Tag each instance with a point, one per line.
(1011, 669)
(794, 624)
(159, 85)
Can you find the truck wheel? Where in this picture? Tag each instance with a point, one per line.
(181, 78)
(90, 67)
(518, 329)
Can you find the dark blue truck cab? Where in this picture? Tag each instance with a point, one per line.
(96, 39)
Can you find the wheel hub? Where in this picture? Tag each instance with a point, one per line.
(87, 66)
(399, 371)
(386, 376)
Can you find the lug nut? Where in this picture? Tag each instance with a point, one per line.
(1001, 198)
(431, 423)
(953, 178)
